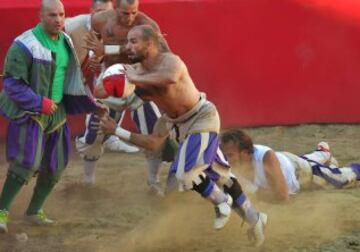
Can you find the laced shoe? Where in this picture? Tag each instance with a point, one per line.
(222, 213)
(39, 219)
(256, 233)
(4, 218)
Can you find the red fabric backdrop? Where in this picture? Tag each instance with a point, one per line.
(262, 62)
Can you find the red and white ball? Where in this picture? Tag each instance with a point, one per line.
(115, 81)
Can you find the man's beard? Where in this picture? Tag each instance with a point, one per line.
(136, 58)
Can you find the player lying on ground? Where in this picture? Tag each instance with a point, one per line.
(275, 176)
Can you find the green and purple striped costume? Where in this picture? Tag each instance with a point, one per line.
(36, 67)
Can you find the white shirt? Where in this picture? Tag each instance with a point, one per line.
(73, 23)
(287, 168)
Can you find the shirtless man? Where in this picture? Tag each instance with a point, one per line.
(190, 119)
(108, 41)
(274, 176)
(112, 26)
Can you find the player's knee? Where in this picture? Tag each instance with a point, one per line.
(233, 188)
(203, 185)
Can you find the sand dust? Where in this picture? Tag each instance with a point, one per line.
(119, 214)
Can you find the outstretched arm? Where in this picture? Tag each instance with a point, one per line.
(149, 142)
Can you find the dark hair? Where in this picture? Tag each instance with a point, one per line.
(240, 138)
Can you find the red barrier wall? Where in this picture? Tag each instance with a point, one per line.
(262, 62)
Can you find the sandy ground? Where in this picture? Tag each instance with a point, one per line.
(119, 214)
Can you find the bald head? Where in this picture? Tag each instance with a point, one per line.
(52, 17)
(48, 4)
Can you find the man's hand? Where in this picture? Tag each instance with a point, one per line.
(131, 73)
(53, 107)
(48, 106)
(94, 43)
(94, 65)
(106, 126)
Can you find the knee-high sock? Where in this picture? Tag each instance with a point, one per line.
(42, 190)
(89, 171)
(11, 188)
(217, 196)
(154, 165)
(241, 205)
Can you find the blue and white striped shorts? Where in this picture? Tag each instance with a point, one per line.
(199, 148)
